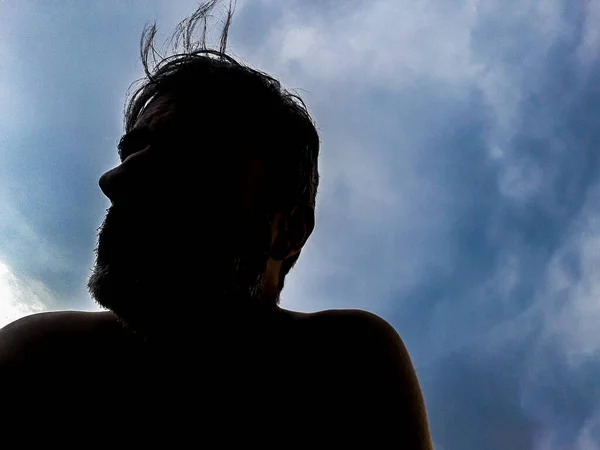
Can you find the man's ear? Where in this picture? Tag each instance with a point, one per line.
(293, 230)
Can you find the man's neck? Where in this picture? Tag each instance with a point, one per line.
(208, 325)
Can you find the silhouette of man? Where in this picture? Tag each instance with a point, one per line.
(211, 206)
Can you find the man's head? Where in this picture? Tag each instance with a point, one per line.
(215, 195)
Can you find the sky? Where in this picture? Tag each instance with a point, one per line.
(459, 196)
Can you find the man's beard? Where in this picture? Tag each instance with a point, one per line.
(158, 280)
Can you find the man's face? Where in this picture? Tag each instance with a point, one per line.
(184, 232)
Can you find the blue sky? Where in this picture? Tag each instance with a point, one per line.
(460, 191)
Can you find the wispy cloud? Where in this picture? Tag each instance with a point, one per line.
(21, 297)
(459, 184)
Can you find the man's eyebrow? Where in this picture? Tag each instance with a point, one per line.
(121, 143)
(129, 139)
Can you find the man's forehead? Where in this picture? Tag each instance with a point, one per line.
(166, 109)
(160, 109)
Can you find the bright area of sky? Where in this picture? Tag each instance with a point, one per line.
(460, 186)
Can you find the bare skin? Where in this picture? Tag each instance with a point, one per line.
(217, 345)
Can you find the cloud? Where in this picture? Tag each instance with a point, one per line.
(21, 296)
(474, 404)
(459, 186)
(572, 294)
(41, 254)
(587, 50)
(385, 42)
(516, 152)
(559, 381)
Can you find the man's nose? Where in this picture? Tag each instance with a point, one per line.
(128, 180)
(111, 183)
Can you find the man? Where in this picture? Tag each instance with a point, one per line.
(211, 206)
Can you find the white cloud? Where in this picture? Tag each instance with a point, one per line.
(548, 439)
(568, 311)
(521, 180)
(587, 439)
(20, 297)
(578, 290)
(589, 48)
(14, 97)
(19, 239)
(389, 43)
(299, 42)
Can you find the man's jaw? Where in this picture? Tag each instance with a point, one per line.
(155, 302)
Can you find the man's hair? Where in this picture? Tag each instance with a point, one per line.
(247, 107)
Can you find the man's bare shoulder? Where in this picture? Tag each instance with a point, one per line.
(351, 325)
(375, 371)
(377, 350)
(47, 331)
(354, 339)
(56, 322)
